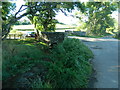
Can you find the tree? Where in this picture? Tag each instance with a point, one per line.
(45, 20)
(99, 17)
(9, 19)
(34, 9)
(6, 14)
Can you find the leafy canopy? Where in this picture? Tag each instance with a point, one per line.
(99, 17)
(45, 20)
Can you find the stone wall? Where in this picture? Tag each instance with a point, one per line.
(68, 32)
(53, 37)
(79, 33)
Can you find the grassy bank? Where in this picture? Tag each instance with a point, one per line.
(64, 66)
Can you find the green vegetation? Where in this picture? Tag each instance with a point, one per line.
(90, 36)
(95, 17)
(41, 14)
(7, 10)
(117, 35)
(18, 57)
(44, 20)
(99, 20)
(70, 65)
(66, 63)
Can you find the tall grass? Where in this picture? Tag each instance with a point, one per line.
(67, 65)
(19, 57)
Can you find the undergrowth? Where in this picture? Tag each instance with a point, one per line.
(117, 35)
(20, 56)
(68, 65)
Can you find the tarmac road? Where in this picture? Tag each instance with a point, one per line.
(105, 60)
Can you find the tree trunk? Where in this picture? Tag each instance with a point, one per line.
(38, 35)
(7, 30)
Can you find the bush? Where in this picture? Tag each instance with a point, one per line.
(117, 35)
(69, 67)
(38, 83)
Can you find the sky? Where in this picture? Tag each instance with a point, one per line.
(61, 17)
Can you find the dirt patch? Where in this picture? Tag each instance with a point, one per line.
(92, 78)
(24, 80)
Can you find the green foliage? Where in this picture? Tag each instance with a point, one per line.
(117, 35)
(81, 27)
(39, 84)
(44, 11)
(7, 10)
(43, 23)
(99, 17)
(45, 19)
(69, 67)
(7, 7)
(19, 57)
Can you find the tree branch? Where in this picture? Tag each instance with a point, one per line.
(63, 12)
(20, 10)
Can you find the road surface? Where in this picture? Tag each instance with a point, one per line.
(105, 60)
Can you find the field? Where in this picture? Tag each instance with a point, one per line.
(25, 28)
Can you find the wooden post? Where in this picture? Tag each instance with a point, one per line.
(9, 36)
(14, 36)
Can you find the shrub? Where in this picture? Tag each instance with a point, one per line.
(69, 67)
(117, 35)
(38, 83)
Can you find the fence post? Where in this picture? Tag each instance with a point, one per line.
(14, 36)
(9, 36)
(20, 36)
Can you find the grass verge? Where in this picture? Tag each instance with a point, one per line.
(66, 63)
